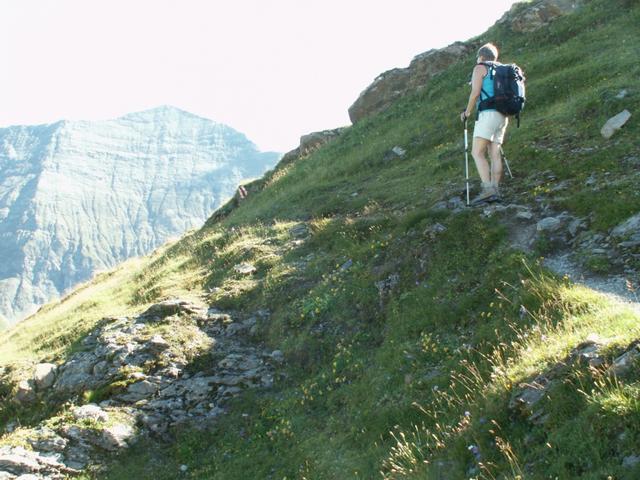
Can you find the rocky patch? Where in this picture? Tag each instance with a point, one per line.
(529, 17)
(137, 373)
(528, 397)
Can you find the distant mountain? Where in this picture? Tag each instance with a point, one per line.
(77, 197)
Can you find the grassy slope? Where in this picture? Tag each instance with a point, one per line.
(382, 384)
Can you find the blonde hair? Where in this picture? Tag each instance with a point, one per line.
(488, 51)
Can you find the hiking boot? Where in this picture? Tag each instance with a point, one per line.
(487, 194)
(497, 197)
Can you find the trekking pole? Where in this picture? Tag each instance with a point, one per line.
(466, 159)
(506, 162)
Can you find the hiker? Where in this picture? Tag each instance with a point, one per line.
(490, 127)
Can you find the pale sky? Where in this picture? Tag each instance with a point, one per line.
(272, 69)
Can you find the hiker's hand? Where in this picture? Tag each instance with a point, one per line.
(464, 116)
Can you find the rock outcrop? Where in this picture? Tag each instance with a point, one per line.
(310, 143)
(528, 17)
(80, 197)
(138, 374)
(394, 84)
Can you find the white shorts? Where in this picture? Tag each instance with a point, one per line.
(491, 125)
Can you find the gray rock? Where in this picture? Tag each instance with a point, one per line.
(527, 398)
(77, 374)
(90, 412)
(524, 215)
(25, 392)
(395, 153)
(298, 231)
(245, 269)
(346, 265)
(228, 392)
(630, 227)
(117, 437)
(625, 362)
(235, 328)
(238, 361)
(629, 244)
(157, 344)
(100, 369)
(44, 375)
(139, 391)
(46, 440)
(18, 461)
(631, 461)
(588, 353)
(615, 123)
(312, 141)
(200, 388)
(172, 307)
(549, 224)
(576, 226)
(432, 231)
(622, 93)
(277, 356)
(171, 372)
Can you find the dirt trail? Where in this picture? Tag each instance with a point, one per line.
(616, 287)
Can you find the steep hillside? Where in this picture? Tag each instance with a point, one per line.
(352, 319)
(80, 197)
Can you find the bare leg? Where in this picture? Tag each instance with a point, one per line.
(478, 152)
(496, 164)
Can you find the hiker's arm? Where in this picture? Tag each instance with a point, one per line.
(479, 73)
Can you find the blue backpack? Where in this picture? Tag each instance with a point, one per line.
(508, 89)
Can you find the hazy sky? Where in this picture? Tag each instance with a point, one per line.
(272, 69)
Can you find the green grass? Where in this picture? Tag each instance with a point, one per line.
(400, 382)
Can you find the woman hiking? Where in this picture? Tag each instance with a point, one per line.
(489, 129)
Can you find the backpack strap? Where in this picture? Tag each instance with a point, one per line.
(484, 104)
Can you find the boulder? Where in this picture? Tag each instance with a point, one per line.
(245, 269)
(90, 412)
(615, 123)
(139, 391)
(631, 461)
(77, 374)
(395, 153)
(313, 141)
(526, 399)
(299, 230)
(277, 356)
(18, 461)
(46, 440)
(628, 228)
(171, 307)
(394, 84)
(44, 375)
(549, 224)
(157, 344)
(111, 438)
(25, 392)
(529, 17)
(116, 437)
(626, 362)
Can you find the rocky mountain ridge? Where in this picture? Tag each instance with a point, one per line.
(79, 197)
